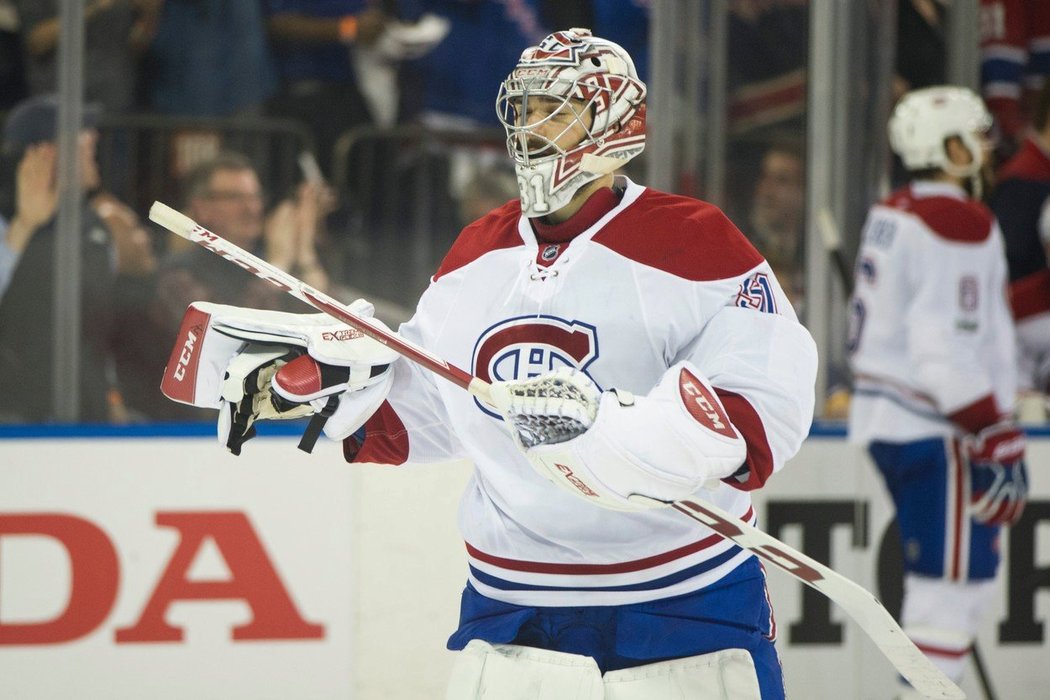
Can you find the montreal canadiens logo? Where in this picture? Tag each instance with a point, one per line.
(528, 346)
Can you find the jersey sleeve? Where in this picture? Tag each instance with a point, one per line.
(762, 364)
(412, 425)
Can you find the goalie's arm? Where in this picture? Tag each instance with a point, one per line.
(763, 368)
(410, 426)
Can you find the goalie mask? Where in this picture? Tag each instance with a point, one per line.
(586, 119)
(924, 119)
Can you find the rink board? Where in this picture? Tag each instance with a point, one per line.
(364, 568)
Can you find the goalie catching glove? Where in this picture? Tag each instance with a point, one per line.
(617, 450)
(254, 365)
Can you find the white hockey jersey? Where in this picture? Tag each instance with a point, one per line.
(658, 279)
(930, 326)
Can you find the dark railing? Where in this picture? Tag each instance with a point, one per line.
(143, 156)
(402, 191)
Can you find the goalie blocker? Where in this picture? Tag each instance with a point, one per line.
(253, 365)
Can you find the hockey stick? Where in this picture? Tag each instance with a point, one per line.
(861, 605)
(982, 673)
(832, 240)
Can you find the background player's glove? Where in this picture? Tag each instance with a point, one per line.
(998, 476)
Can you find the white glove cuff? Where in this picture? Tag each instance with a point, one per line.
(355, 407)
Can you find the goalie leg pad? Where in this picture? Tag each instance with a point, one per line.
(485, 671)
(729, 673)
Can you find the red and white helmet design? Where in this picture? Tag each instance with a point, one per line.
(593, 79)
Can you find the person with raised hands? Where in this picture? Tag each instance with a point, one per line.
(639, 351)
(27, 271)
(933, 354)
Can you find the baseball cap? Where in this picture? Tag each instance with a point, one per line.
(36, 119)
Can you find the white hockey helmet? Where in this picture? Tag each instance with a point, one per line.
(924, 119)
(583, 74)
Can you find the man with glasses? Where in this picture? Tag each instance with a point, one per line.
(27, 250)
(224, 193)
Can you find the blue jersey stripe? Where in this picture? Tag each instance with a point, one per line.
(655, 584)
(995, 70)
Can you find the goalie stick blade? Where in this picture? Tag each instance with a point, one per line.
(858, 602)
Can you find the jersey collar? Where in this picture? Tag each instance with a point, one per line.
(597, 205)
(921, 189)
(631, 192)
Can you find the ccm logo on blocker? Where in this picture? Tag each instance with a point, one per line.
(702, 406)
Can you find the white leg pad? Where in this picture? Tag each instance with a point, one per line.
(509, 672)
(722, 675)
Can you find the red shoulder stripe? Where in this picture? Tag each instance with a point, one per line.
(962, 221)
(680, 235)
(496, 230)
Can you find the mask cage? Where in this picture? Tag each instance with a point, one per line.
(528, 147)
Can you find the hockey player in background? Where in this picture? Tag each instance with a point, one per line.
(1021, 203)
(1015, 63)
(640, 351)
(932, 351)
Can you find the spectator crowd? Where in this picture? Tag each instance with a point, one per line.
(331, 66)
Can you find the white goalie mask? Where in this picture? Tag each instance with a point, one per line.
(924, 119)
(587, 86)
